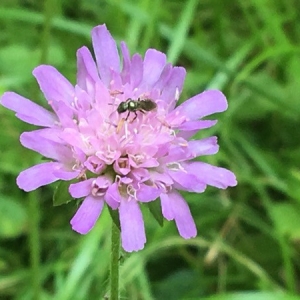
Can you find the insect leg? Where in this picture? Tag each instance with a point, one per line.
(134, 117)
(127, 116)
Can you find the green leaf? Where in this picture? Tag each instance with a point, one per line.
(13, 218)
(61, 193)
(155, 209)
(114, 213)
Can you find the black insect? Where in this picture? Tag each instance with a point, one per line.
(131, 105)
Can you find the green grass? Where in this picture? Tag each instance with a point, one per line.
(248, 236)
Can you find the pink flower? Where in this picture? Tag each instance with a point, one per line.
(121, 158)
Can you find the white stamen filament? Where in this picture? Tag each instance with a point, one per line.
(131, 191)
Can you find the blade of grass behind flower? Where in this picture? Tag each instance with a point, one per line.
(85, 258)
(181, 30)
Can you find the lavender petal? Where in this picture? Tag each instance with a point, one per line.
(27, 110)
(112, 196)
(197, 125)
(154, 63)
(167, 207)
(187, 182)
(87, 214)
(64, 174)
(37, 176)
(106, 53)
(54, 86)
(202, 105)
(173, 87)
(136, 72)
(164, 77)
(87, 73)
(81, 189)
(206, 146)
(175, 207)
(147, 193)
(50, 149)
(132, 226)
(126, 63)
(211, 175)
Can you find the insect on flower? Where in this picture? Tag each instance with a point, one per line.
(131, 105)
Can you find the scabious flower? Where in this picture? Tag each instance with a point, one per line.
(121, 158)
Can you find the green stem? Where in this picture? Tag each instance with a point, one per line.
(34, 213)
(114, 267)
(34, 244)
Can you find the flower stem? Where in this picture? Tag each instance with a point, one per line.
(34, 244)
(114, 267)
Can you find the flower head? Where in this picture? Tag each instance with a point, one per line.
(119, 132)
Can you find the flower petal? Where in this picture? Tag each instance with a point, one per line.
(81, 189)
(197, 125)
(52, 134)
(27, 110)
(132, 226)
(50, 149)
(87, 214)
(187, 182)
(87, 74)
(177, 154)
(175, 207)
(206, 146)
(173, 87)
(161, 178)
(74, 138)
(126, 63)
(106, 53)
(164, 77)
(83, 99)
(65, 174)
(190, 128)
(211, 175)
(147, 193)
(64, 112)
(37, 176)
(167, 207)
(136, 72)
(154, 63)
(202, 105)
(54, 86)
(112, 196)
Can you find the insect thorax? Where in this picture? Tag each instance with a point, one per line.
(132, 105)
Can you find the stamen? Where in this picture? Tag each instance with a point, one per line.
(131, 191)
(120, 125)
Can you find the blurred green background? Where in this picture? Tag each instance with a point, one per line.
(249, 236)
